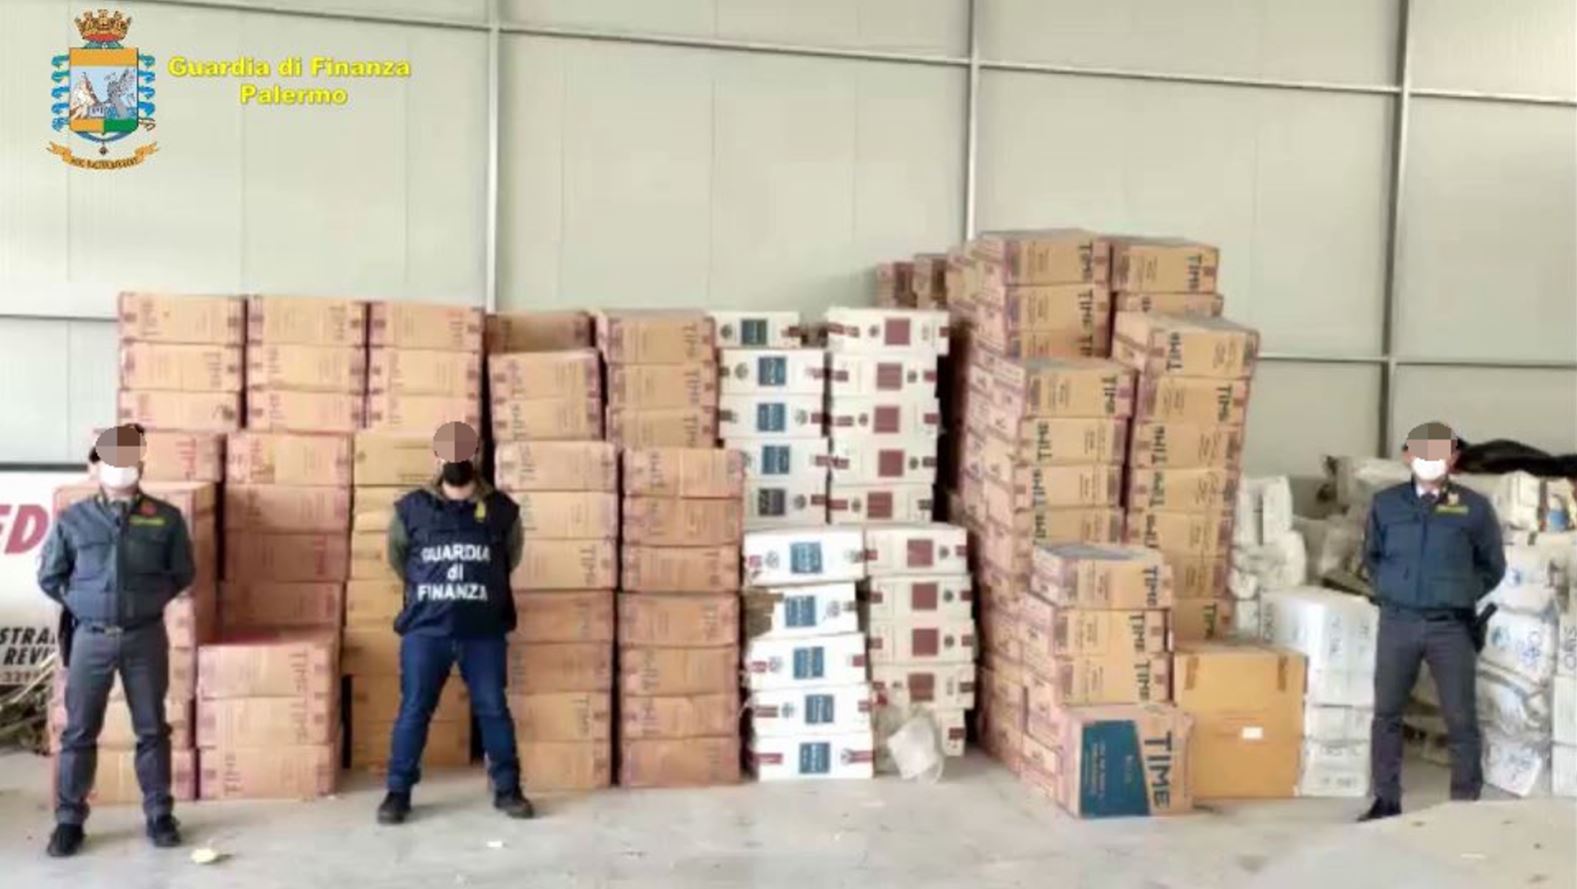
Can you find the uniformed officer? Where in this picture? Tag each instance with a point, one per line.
(113, 562)
(1433, 550)
(454, 544)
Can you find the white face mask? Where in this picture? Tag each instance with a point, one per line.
(1429, 470)
(118, 478)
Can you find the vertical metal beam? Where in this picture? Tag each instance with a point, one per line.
(971, 120)
(1391, 316)
(490, 296)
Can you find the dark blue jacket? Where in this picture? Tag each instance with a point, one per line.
(1444, 559)
(117, 563)
(457, 555)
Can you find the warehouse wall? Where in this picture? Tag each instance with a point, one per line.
(650, 174)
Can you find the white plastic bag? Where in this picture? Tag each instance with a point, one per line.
(916, 749)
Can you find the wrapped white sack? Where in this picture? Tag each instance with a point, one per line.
(1335, 631)
(1332, 544)
(1243, 585)
(1334, 770)
(1334, 725)
(1358, 478)
(1507, 702)
(1534, 575)
(1275, 508)
(1246, 512)
(1563, 770)
(1563, 710)
(1523, 644)
(1566, 645)
(1519, 767)
(1246, 619)
(1517, 498)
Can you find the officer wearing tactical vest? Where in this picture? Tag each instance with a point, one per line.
(113, 562)
(1433, 550)
(454, 544)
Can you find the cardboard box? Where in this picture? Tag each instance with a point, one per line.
(548, 420)
(563, 515)
(529, 376)
(758, 329)
(1334, 770)
(298, 663)
(256, 555)
(1206, 489)
(370, 651)
(553, 766)
(653, 386)
(1011, 545)
(1062, 387)
(1185, 346)
(1062, 487)
(656, 336)
(1202, 620)
(163, 318)
(183, 367)
(425, 372)
(372, 508)
(1079, 632)
(699, 569)
(115, 782)
(448, 744)
(786, 416)
(796, 663)
(1247, 705)
(810, 756)
(1209, 304)
(556, 466)
(835, 709)
(311, 321)
(270, 772)
(192, 411)
(777, 557)
(662, 427)
(192, 619)
(341, 369)
(868, 330)
(369, 556)
(689, 762)
(536, 332)
(1183, 445)
(785, 502)
(1050, 256)
(535, 668)
(407, 325)
(883, 461)
(1199, 400)
(859, 504)
(1101, 679)
(922, 640)
(1207, 534)
(566, 565)
(678, 621)
(1164, 265)
(420, 414)
(579, 616)
(278, 458)
(799, 611)
(898, 599)
(258, 605)
(789, 371)
(563, 716)
(285, 410)
(894, 283)
(662, 672)
(174, 456)
(932, 548)
(1334, 631)
(1120, 760)
(903, 375)
(671, 521)
(1046, 321)
(1044, 442)
(266, 721)
(286, 508)
(375, 700)
(690, 716)
(885, 416)
(1082, 575)
(683, 472)
(373, 603)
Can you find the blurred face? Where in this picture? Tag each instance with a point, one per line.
(455, 445)
(1430, 459)
(121, 452)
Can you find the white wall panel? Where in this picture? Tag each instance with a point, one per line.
(1538, 407)
(1291, 186)
(33, 220)
(93, 371)
(35, 389)
(473, 10)
(1351, 41)
(1299, 413)
(1489, 229)
(1523, 46)
(531, 169)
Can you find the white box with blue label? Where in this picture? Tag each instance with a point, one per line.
(783, 556)
(930, 548)
(869, 504)
(759, 330)
(816, 756)
(942, 686)
(895, 599)
(802, 663)
(768, 458)
(885, 330)
(772, 372)
(782, 416)
(901, 374)
(796, 612)
(880, 460)
(822, 709)
(884, 416)
(792, 501)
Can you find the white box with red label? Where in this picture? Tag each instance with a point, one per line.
(772, 372)
(943, 686)
(931, 548)
(884, 415)
(793, 501)
(779, 416)
(796, 612)
(813, 756)
(883, 330)
(832, 709)
(922, 640)
(901, 598)
(876, 460)
(780, 556)
(802, 663)
(864, 504)
(758, 330)
(901, 374)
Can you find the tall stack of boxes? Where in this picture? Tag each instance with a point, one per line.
(545, 396)
(678, 627)
(510, 332)
(662, 378)
(181, 369)
(306, 364)
(424, 367)
(805, 663)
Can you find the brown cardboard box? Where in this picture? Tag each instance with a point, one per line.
(373, 603)
(530, 376)
(394, 460)
(1037, 487)
(285, 410)
(1116, 760)
(406, 325)
(1164, 265)
(259, 605)
(1201, 400)
(894, 286)
(1103, 679)
(563, 716)
(278, 458)
(421, 414)
(272, 772)
(567, 565)
(369, 557)
(1007, 744)
(115, 782)
(192, 619)
(535, 668)
(1047, 441)
(1185, 346)
(678, 621)
(1084, 632)
(167, 318)
(302, 368)
(689, 716)
(425, 372)
(551, 766)
(192, 411)
(1013, 542)
(672, 521)
(284, 664)
(928, 279)
(1187, 533)
(255, 555)
(537, 332)
(648, 386)
(286, 508)
(697, 473)
(566, 515)
(656, 336)
(195, 501)
(376, 700)
(448, 744)
(677, 671)
(548, 419)
(308, 321)
(1209, 304)
(182, 456)
(1203, 620)
(675, 569)
(1247, 705)
(662, 427)
(1198, 577)
(686, 762)
(1084, 575)
(556, 466)
(1051, 256)
(180, 366)
(260, 722)
(372, 509)
(1183, 445)
(370, 651)
(579, 616)
(1076, 323)
(1063, 387)
(1206, 489)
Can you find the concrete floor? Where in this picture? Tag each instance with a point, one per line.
(977, 828)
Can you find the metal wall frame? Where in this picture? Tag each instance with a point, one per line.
(972, 64)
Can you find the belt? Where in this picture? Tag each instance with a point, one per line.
(116, 629)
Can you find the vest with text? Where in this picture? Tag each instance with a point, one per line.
(456, 566)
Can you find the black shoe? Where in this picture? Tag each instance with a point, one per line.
(65, 841)
(395, 808)
(165, 832)
(1382, 808)
(514, 804)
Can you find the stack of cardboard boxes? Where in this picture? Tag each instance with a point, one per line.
(662, 378)
(546, 396)
(306, 363)
(536, 332)
(806, 664)
(679, 617)
(895, 284)
(181, 368)
(1039, 294)
(424, 367)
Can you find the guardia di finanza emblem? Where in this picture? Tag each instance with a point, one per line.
(103, 91)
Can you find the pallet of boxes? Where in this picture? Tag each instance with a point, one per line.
(661, 377)
(678, 617)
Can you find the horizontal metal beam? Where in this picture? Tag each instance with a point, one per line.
(1491, 363)
(1501, 98)
(346, 15)
(1377, 89)
(1304, 358)
(732, 45)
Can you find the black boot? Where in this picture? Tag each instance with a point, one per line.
(165, 832)
(65, 841)
(514, 804)
(395, 808)
(1382, 808)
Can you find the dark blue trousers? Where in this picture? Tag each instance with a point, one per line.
(425, 663)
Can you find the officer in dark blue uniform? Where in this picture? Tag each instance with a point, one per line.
(454, 544)
(1433, 550)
